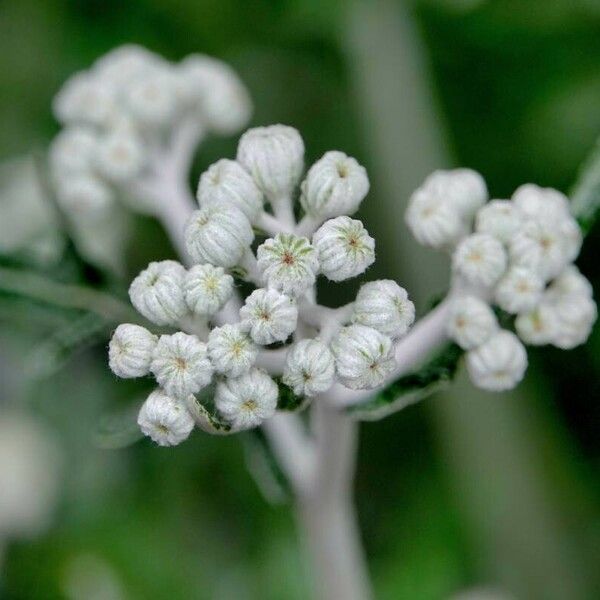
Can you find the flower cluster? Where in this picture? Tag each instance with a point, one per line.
(226, 343)
(118, 118)
(512, 258)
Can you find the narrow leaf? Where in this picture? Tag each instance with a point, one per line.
(118, 429)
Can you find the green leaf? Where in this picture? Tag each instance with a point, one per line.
(585, 195)
(118, 429)
(434, 376)
(288, 401)
(203, 410)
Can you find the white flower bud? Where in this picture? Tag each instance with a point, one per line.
(120, 155)
(499, 364)
(309, 368)
(384, 305)
(157, 292)
(537, 327)
(471, 322)
(73, 150)
(83, 194)
(231, 351)
(217, 91)
(462, 189)
(571, 236)
(575, 316)
(125, 63)
(151, 98)
(164, 419)
(500, 219)
(180, 364)
(480, 259)
(274, 156)
(248, 400)
(345, 248)
(570, 281)
(268, 316)
(207, 289)
(226, 182)
(433, 221)
(218, 235)
(534, 202)
(335, 185)
(288, 263)
(519, 290)
(363, 357)
(130, 351)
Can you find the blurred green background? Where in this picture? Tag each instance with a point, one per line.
(466, 490)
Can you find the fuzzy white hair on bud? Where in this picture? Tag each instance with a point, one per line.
(570, 281)
(309, 368)
(73, 150)
(500, 219)
(575, 316)
(130, 351)
(344, 247)
(480, 260)
(533, 202)
(519, 290)
(151, 99)
(207, 288)
(165, 420)
(231, 350)
(83, 195)
(537, 327)
(120, 155)
(471, 322)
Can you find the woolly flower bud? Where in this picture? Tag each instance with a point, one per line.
(120, 155)
(180, 364)
(268, 316)
(226, 182)
(345, 248)
(157, 292)
(73, 150)
(309, 368)
(150, 98)
(480, 259)
(498, 218)
(218, 235)
(248, 400)
(126, 63)
(207, 289)
(83, 194)
(575, 316)
(335, 185)
(537, 327)
(519, 290)
(471, 322)
(499, 364)
(231, 351)
(463, 189)
(288, 263)
(274, 156)
(164, 419)
(571, 236)
(384, 305)
(218, 92)
(130, 351)
(433, 221)
(570, 281)
(533, 201)
(363, 357)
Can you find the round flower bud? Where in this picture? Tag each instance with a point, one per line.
(462, 189)
(274, 156)
(150, 98)
(164, 419)
(217, 91)
(471, 322)
(384, 305)
(248, 400)
(433, 221)
(231, 351)
(218, 235)
(226, 182)
(207, 289)
(335, 185)
(157, 292)
(575, 316)
(537, 327)
(344, 247)
(500, 219)
(288, 263)
(499, 364)
(571, 236)
(120, 155)
(519, 290)
(363, 357)
(130, 351)
(480, 259)
(83, 194)
(570, 281)
(180, 364)
(73, 150)
(126, 63)
(268, 316)
(533, 201)
(309, 368)
(541, 247)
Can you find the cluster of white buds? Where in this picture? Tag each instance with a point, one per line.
(225, 341)
(516, 255)
(118, 118)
